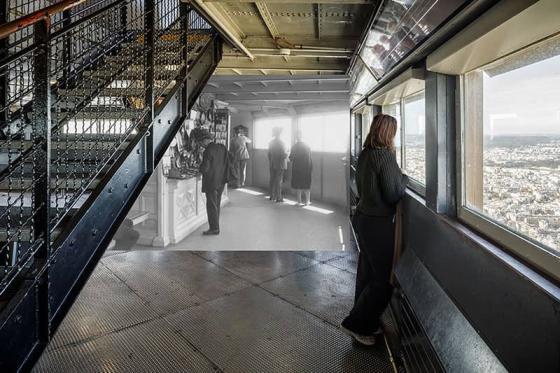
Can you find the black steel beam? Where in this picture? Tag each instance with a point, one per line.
(149, 47)
(3, 78)
(41, 133)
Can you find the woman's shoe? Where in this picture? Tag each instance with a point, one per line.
(366, 340)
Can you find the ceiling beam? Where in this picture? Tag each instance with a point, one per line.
(267, 19)
(258, 79)
(301, 41)
(268, 63)
(283, 97)
(305, 87)
(318, 20)
(224, 24)
(296, 1)
(295, 54)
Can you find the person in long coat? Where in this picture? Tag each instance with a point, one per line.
(214, 174)
(278, 162)
(302, 167)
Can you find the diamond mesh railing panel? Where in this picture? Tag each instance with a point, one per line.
(96, 75)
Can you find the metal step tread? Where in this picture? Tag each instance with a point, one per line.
(25, 183)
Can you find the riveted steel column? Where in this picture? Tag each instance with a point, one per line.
(440, 143)
(41, 137)
(149, 44)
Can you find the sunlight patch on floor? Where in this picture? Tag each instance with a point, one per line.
(319, 210)
(249, 191)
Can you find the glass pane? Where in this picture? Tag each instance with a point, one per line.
(312, 132)
(415, 138)
(263, 131)
(367, 117)
(326, 132)
(395, 111)
(361, 81)
(400, 27)
(512, 143)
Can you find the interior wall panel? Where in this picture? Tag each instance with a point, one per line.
(517, 317)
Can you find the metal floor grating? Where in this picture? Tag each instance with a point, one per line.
(177, 311)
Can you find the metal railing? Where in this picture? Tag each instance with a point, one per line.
(76, 86)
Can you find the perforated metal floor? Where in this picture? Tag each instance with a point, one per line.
(178, 311)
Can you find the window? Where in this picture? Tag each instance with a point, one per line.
(511, 151)
(326, 132)
(367, 117)
(415, 137)
(411, 154)
(263, 131)
(395, 111)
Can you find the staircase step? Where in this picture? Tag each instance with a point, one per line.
(133, 73)
(67, 183)
(99, 114)
(105, 92)
(24, 236)
(97, 142)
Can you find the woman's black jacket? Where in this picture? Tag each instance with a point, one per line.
(380, 182)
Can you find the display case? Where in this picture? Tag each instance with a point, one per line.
(222, 127)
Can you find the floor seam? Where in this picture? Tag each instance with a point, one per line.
(196, 304)
(101, 335)
(216, 367)
(278, 296)
(254, 283)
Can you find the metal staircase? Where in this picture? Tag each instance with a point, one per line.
(91, 94)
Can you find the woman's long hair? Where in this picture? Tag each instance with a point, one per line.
(382, 132)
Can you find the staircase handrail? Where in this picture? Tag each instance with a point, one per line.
(18, 24)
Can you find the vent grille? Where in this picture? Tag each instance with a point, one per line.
(416, 349)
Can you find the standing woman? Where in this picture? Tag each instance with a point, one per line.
(380, 186)
(302, 166)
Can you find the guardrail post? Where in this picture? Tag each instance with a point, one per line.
(67, 50)
(41, 137)
(149, 44)
(3, 54)
(185, 13)
(124, 18)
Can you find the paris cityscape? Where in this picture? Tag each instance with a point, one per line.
(521, 180)
(522, 185)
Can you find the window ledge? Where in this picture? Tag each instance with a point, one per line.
(504, 256)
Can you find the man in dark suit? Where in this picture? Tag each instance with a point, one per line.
(213, 169)
(278, 162)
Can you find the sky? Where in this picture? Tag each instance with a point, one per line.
(525, 101)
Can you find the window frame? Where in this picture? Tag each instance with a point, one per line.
(528, 249)
(413, 184)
